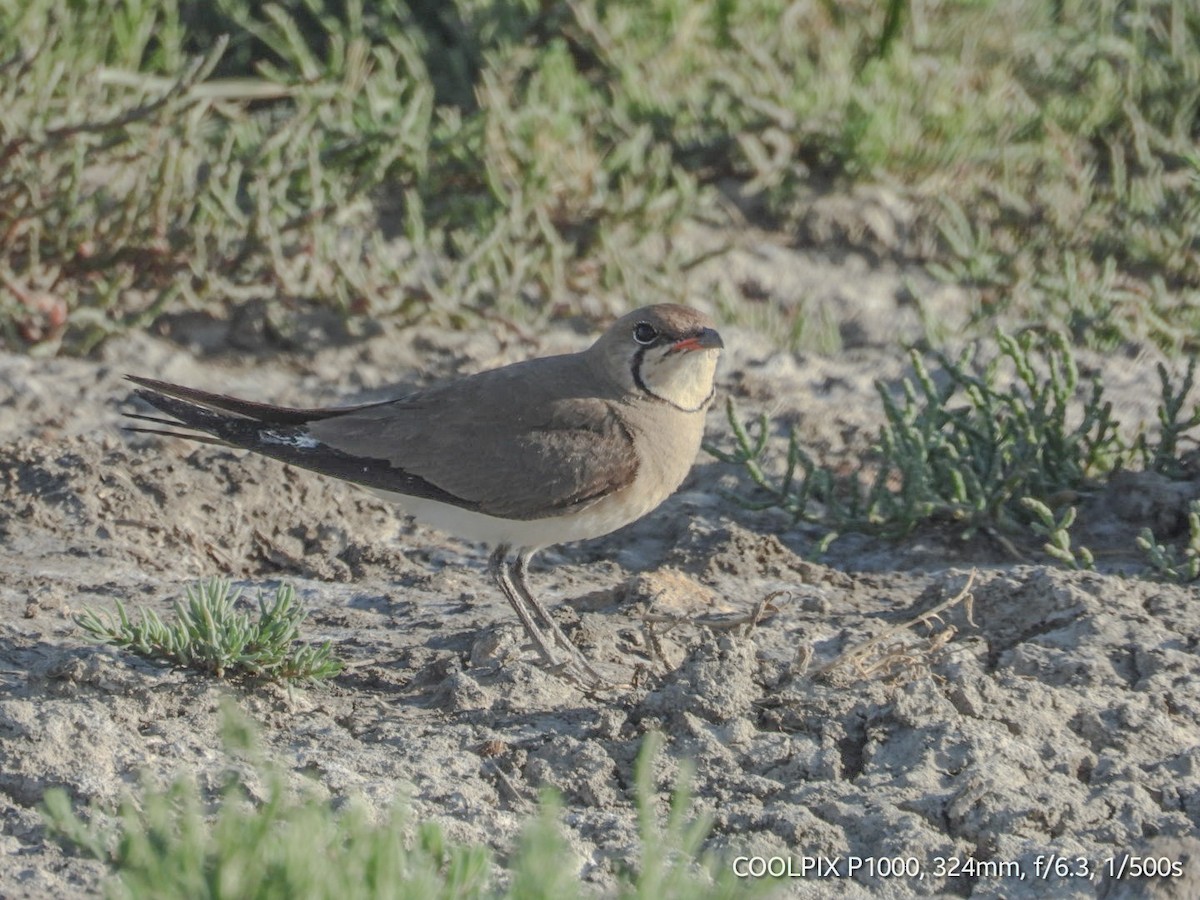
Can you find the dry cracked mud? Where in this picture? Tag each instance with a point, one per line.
(1055, 714)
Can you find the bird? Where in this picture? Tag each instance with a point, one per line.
(546, 451)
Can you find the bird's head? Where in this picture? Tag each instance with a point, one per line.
(665, 352)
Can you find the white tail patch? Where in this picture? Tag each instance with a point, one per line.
(299, 440)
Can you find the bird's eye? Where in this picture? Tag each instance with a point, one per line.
(644, 333)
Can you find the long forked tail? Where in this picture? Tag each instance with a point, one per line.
(219, 418)
(280, 432)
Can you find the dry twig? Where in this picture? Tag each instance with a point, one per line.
(891, 648)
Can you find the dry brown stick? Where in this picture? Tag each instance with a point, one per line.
(719, 621)
(856, 654)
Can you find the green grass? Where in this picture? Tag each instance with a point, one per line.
(478, 159)
(210, 635)
(169, 842)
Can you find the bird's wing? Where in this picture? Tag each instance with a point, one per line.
(515, 443)
(498, 442)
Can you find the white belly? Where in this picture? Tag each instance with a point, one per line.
(600, 518)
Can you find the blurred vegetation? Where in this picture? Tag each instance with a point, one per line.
(265, 838)
(508, 158)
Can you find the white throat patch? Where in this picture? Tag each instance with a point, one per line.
(683, 378)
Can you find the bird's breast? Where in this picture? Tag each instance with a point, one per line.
(666, 442)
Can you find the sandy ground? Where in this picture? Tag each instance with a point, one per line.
(1054, 716)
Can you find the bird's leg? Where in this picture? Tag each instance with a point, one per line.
(520, 578)
(517, 599)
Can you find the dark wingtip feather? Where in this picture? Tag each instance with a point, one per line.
(264, 413)
(199, 438)
(272, 431)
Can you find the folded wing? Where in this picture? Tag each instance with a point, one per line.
(494, 443)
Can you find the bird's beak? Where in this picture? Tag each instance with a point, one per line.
(707, 339)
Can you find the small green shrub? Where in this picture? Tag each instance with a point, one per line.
(958, 446)
(1165, 455)
(210, 635)
(1058, 535)
(1180, 566)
